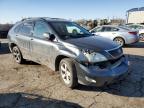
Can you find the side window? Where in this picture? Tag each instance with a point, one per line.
(17, 28)
(103, 29)
(98, 29)
(40, 28)
(107, 29)
(26, 29)
(114, 29)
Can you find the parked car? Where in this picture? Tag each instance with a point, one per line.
(80, 58)
(4, 28)
(73, 30)
(119, 34)
(139, 28)
(3, 34)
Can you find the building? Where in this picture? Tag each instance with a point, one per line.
(135, 15)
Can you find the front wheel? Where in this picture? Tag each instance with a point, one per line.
(119, 41)
(17, 55)
(68, 73)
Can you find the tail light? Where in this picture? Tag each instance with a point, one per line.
(133, 33)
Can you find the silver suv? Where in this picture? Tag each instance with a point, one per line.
(66, 47)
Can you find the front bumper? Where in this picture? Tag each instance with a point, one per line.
(100, 77)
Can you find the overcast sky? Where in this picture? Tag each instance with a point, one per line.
(14, 10)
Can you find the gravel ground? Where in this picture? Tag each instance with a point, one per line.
(35, 86)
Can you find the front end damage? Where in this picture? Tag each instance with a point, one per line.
(104, 72)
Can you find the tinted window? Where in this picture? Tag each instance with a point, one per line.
(106, 29)
(40, 28)
(109, 29)
(26, 28)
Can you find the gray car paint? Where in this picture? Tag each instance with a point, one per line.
(47, 52)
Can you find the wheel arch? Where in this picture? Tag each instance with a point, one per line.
(11, 45)
(121, 38)
(57, 61)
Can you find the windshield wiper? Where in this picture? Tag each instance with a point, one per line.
(83, 35)
(75, 36)
(67, 36)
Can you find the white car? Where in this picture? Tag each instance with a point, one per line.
(141, 34)
(138, 27)
(119, 34)
(73, 30)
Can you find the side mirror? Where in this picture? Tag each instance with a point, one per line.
(46, 35)
(49, 36)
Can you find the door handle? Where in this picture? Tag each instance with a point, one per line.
(31, 38)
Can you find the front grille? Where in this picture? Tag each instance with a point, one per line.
(116, 52)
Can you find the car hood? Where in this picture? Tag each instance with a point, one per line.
(95, 43)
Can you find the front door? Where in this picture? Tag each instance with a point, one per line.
(42, 48)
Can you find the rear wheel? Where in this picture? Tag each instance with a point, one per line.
(119, 41)
(17, 55)
(68, 73)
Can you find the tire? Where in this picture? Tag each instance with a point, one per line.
(141, 36)
(68, 73)
(119, 41)
(17, 55)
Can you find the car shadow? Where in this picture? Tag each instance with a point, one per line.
(4, 49)
(131, 86)
(135, 45)
(28, 62)
(24, 100)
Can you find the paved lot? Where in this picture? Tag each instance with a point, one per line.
(35, 86)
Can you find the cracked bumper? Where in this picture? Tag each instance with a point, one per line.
(101, 77)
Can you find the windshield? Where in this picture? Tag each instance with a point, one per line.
(67, 30)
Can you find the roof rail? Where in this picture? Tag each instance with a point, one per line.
(44, 18)
(26, 19)
(32, 18)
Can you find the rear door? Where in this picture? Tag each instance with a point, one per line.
(23, 37)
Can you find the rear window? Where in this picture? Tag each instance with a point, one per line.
(24, 29)
(17, 28)
(125, 28)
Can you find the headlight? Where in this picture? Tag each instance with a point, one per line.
(93, 57)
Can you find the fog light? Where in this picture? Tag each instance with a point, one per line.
(90, 80)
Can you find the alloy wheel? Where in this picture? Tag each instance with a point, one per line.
(65, 73)
(16, 54)
(119, 41)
